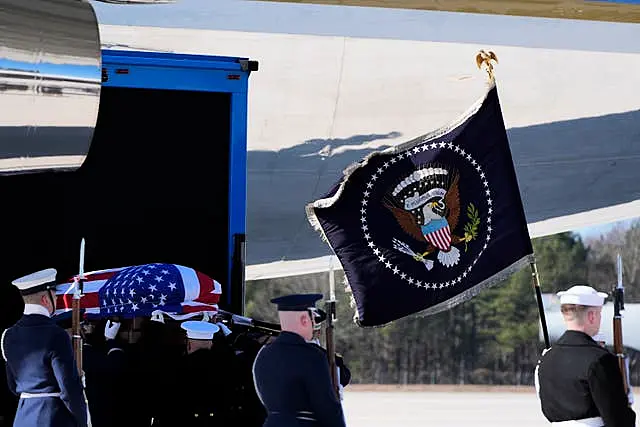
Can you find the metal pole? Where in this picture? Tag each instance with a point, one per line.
(536, 285)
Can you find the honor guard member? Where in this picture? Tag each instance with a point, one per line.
(97, 375)
(344, 374)
(292, 376)
(578, 381)
(40, 363)
(12, 308)
(203, 399)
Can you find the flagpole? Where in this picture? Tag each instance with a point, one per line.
(486, 58)
(536, 285)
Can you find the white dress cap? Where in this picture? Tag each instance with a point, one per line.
(197, 330)
(36, 282)
(582, 295)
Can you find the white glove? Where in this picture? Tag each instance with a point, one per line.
(157, 316)
(111, 330)
(630, 392)
(225, 329)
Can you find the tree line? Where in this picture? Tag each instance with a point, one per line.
(490, 339)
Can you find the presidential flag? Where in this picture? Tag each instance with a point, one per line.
(426, 225)
(178, 291)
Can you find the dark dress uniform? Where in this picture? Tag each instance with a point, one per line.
(206, 396)
(248, 411)
(40, 364)
(154, 355)
(126, 368)
(94, 364)
(345, 373)
(292, 376)
(41, 370)
(203, 383)
(12, 307)
(293, 382)
(577, 379)
(111, 385)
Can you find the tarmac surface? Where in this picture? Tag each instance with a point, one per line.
(450, 409)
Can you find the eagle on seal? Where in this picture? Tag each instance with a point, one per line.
(426, 205)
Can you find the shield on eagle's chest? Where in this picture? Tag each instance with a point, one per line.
(440, 238)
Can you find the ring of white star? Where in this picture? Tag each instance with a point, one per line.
(365, 199)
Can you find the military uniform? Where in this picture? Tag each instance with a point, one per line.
(12, 310)
(125, 367)
(154, 356)
(41, 368)
(248, 411)
(292, 377)
(578, 381)
(98, 394)
(204, 397)
(344, 374)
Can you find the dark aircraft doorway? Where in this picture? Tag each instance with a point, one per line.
(154, 188)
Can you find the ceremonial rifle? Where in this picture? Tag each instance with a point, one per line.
(618, 347)
(270, 328)
(75, 318)
(330, 308)
(77, 336)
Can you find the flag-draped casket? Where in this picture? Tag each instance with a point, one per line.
(177, 291)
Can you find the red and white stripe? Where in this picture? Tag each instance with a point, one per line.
(440, 238)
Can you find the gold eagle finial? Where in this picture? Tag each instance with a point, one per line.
(485, 58)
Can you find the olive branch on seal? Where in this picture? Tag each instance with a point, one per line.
(471, 228)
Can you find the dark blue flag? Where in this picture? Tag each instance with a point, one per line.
(426, 225)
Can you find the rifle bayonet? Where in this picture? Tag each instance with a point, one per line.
(618, 307)
(81, 267)
(619, 300)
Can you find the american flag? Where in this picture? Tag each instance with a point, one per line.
(128, 292)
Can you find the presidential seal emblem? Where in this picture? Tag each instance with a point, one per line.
(442, 207)
(427, 207)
